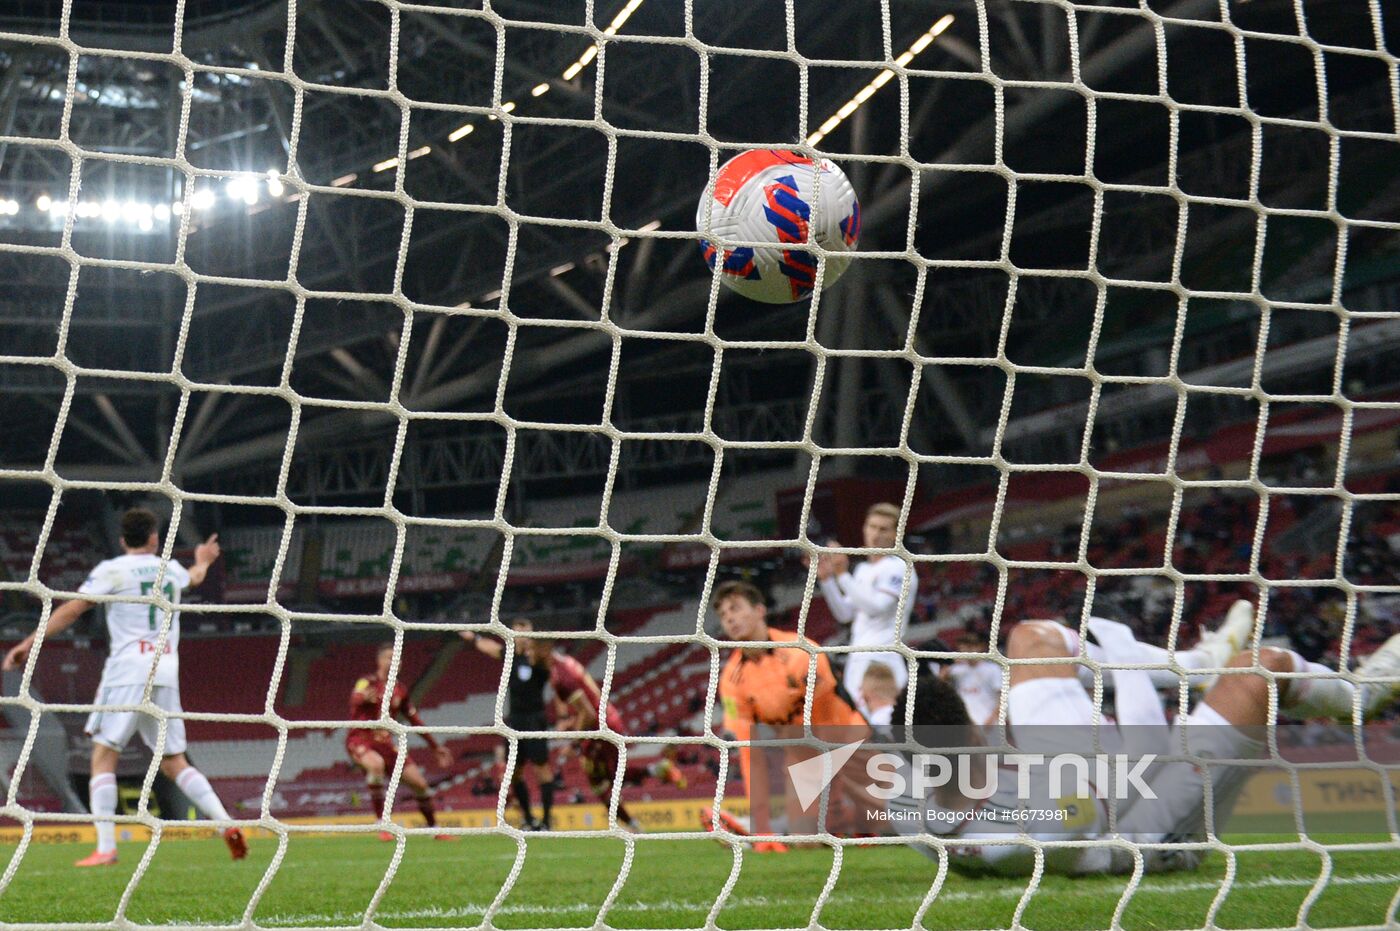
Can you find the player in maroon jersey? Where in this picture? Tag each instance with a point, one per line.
(374, 750)
(579, 699)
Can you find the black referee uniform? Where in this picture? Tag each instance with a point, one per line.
(526, 711)
(525, 693)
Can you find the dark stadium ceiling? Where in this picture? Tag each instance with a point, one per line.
(346, 348)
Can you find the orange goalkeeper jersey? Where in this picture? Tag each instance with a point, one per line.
(771, 688)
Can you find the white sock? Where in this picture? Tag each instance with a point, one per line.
(192, 782)
(102, 798)
(1323, 694)
(1186, 659)
(1147, 653)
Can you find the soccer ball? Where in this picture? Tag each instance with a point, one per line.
(770, 195)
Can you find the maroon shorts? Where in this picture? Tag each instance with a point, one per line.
(362, 741)
(599, 759)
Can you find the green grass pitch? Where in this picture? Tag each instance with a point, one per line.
(673, 883)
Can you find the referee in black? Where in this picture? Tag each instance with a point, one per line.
(525, 712)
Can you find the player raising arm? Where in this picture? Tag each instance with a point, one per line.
(525, 711)
(133, 629)
(867, 598)
(582, 701)
(375, 752)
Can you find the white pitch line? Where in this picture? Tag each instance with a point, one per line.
(1004, 892)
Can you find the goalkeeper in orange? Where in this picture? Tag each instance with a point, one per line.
(767, 685)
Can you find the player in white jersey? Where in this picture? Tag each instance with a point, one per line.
(878, 693)
(867, 598)
(1051, 712)
(135, 630)
(978, 681)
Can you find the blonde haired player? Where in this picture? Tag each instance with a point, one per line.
(134, 629)
(879, 690)
(867, 598)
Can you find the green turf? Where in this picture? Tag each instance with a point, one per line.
(563, 882)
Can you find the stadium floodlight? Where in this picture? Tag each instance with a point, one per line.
(420, 152)
(244, 189)
(111, 211)
(539, 90)
(202, 199)
(275, 187)
(344, 180)
(387, 164)
(591, 52)
(880, 80)
(461, 132)
(161, 212)
(44, 203)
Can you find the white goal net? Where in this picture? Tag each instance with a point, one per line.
(1114, 342)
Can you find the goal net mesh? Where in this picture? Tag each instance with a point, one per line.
(1146, 32)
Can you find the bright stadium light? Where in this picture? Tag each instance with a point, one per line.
(111, 210)
(591, 52)
(202, 199)
(461, 132)
(162, 212)
(275, 187)
(387, 164)
(420, 152)
(539, 90)
(44, 203)
(344, 180)
(880, 80)
(244, 189)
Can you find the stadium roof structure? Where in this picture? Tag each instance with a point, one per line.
(335, 156)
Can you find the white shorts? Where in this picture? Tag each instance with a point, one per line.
(1182, 787)
(114, 729)
(1054, 714)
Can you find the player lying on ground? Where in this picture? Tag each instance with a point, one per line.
(767, 685)
(376, 752)
(1050, 711)
(867, 598)
(133, 630)
(579, 700)
(525, 711)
